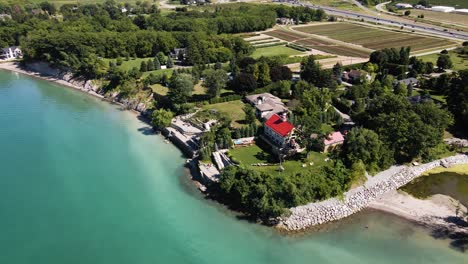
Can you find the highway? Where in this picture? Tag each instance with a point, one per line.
(433, 30)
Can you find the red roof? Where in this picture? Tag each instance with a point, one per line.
(281, 127)
(333, 138)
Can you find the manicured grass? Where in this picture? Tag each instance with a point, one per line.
(159, 89)
(375, 38)
(233, 108)
(459, 61)
(254, 154)
(159, 72)
(434, 96)
(274, 51)
(128, 65)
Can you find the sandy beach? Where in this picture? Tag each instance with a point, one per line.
(438, 211)
(15, 67)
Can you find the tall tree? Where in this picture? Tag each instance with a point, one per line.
(249, 114)
(364, 145)
(263, 78)
(444, 62)
(310, 70)
(169, 63)
(161, 118)
(457, 100)
(180, 88)
(215, 81)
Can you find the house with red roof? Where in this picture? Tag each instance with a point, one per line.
(278, 130)
(332, 140)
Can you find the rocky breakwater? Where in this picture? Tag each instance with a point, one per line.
(359, 198)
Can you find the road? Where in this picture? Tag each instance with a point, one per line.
(433, 30)
(381, 8)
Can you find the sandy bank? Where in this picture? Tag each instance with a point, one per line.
(438, 211)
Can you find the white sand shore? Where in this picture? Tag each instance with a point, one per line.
(436, 211)
(15, 67)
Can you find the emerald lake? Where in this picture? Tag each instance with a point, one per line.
(82, 181)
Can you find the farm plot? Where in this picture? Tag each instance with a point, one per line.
(284, 35)
(333, 49)
(374, 38)
(318, 44)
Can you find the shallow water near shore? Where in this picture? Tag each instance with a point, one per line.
(449, 183)
(84, 182)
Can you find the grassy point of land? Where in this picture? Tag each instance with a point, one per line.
(254, 154)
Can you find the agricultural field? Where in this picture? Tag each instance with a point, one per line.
(445, 18)
(374, 38)
(318, 44)
(275, 51)
(454, 3)
(338, 4)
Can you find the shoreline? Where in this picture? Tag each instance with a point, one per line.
(15, 67)
(433, 211)
(437, 212)
(380, 193)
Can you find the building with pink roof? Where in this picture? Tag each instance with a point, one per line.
(332, 140)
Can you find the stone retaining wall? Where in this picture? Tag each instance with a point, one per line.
(357, 199)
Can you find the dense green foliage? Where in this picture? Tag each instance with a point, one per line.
(410, 131)
(215, 81)
(457, 99)
(364, 145)
(161, 118)
(264, 196)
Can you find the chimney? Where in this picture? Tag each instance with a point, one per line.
(260, 100)
(284, 117)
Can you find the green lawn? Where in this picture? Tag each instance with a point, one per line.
(275, 51)
(128, 65)
(434, 96)
(459, 61)
(254, 154)
(159, 89)
(233, 108)
(159, 72)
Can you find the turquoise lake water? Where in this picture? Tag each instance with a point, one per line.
(81, 181)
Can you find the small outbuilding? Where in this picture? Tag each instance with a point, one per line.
(403, 6)
(332, 140)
